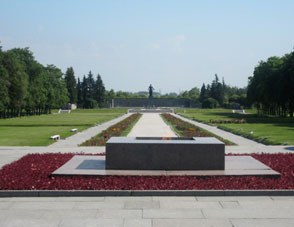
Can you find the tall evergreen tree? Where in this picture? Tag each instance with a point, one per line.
(85, 92)
(71, 84)
(79, 94)
(99, 91)
(91, 85)
(202, 93)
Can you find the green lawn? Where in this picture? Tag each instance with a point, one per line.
(36, 130)
(279, 130)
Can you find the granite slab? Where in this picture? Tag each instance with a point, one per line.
(235, 166)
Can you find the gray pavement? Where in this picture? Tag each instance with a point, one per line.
(147, 211)
(151, 125)
(144, 211)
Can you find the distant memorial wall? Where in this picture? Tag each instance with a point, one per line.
(154, 102)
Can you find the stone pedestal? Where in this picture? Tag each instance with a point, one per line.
(147, 153)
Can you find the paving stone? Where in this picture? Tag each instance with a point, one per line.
(120, 214)
(263, 222)
(230, 204)
(172, 213)
(98, 205)
(138, 223)
(278, 204)
(33, 199)
(21, 214)
(188, 205)
(60, 214)
(287, 198)
(248, 213)
(16, 222)
(191, 223)
(5, 205)
(142, 204)
(91, 222)
(42, 205)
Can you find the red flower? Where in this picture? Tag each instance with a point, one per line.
(32, 172)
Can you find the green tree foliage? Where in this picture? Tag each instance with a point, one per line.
(92, 93)
(99, 91)
(27, 87)
(79, 93)
(218, 94)
(271, 89)
(71, 84)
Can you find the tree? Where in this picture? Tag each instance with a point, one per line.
(287, 82)
(271, 88)
(4, 86)
(79, 94)
(99, 91)
(26, 86)
(217, 91)
(85, 92)
(71, 84)
(18, 80)
(91, 85)
(202, 94)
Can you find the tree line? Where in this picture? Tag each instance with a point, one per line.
(219, 94)
(27, 87)
(271, 88)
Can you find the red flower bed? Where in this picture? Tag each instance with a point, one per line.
(190, 130)
(114, 130)
(32, 172)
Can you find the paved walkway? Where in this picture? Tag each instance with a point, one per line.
(147, 211)
(244, 145)
(151, 125)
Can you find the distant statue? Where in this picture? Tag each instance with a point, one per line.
(150, 91)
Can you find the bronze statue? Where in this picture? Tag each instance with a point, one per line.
(150, 91)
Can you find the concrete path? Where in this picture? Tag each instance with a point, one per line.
(243, 145)
(147, 211)
(151, 125)
(80, 137)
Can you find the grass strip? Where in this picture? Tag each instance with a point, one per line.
(185, 129)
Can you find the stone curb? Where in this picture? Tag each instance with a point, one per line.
(89, 193)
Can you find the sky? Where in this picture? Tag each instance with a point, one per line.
(174, 45)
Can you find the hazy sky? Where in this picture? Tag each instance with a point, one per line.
(175, 45)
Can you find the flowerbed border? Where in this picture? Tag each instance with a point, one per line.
(90, 193)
